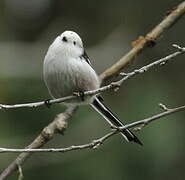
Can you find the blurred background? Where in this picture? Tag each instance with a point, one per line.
(27, 28)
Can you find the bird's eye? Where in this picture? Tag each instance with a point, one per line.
(64, 39)
(74, 42)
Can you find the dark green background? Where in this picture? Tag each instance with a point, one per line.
(107, 28)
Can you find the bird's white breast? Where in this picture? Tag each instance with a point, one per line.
(64, 74)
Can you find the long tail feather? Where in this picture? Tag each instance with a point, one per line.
(100, 107)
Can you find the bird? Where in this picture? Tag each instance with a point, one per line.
(67, 70)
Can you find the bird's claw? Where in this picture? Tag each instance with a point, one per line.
(80, 94)
(47, 103)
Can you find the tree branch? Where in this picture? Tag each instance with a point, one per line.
(96, 143)
(141, 44)
(113, 85)
(57, 126)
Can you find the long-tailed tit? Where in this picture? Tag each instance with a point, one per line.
(67, 69)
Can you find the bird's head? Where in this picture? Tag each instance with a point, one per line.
(69, 44)
(71, 39)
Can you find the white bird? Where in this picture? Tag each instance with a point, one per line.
(67, 69)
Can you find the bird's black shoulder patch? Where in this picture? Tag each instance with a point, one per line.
(85, 57)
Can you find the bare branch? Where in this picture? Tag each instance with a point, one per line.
(57, 126)
(163, 107)
(167, 111)
(113, 85)
(20, 173)
(161, 61)
(178, 47)
(96, 143)
(143, 42)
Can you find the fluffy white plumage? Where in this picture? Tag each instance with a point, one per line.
(66, 70)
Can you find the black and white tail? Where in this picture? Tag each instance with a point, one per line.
(98, 105)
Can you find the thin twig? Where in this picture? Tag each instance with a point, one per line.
(144, 42)
(112, 85)
(161, 61)
(92, 145)
(20, 173)
(96, 143)
(58, 125)
(147, 41)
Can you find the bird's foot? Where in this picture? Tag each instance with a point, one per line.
(80, 94)
(47, 103)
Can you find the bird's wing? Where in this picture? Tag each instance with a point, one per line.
(86, 58)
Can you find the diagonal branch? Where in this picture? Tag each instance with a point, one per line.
(57, 126)
(143, 42)
(113, 85)
(96, 143)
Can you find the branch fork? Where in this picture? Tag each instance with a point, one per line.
(49, 132)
